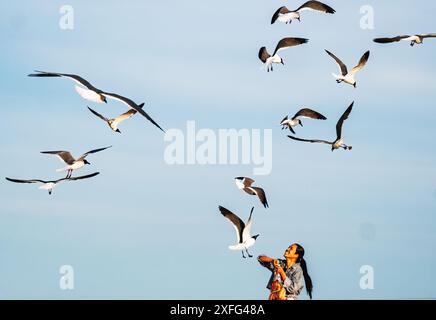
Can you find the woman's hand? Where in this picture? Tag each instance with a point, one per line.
(276, 264)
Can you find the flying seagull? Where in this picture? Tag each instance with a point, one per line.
(245, 183)
(243, 231)
(285, 15)
(131, 105)
(339, 142)
(72, 164)
(348, 77)
(415, 39)
(85, 89)
(285, 43)
(303, 113)
(49, 185)
(113, 123)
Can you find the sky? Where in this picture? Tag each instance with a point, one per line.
(145, 229)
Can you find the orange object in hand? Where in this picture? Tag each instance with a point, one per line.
(278, 292)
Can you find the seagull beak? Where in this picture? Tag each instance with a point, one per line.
(301, 124)
(282, 62)
(355, 85)
(118, 130)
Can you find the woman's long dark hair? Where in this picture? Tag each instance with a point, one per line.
(307, 279)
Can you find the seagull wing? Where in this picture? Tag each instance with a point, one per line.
(132, 105)
(309, 113)
(263, 54)
(64, 156)
(281, 10)
(237, 223)
(262, 197)
(93, 151)
(78, 178)
(289, 42)
(316, 5)
(389, 40)
(246, 234)
(124, 116)
(361, 64)
(74, 77)
(26, 181)
(428, 35)
(311, 140)
(98, 115)
(342, 66)
(341, 121)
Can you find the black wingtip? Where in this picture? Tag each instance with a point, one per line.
(222, 209)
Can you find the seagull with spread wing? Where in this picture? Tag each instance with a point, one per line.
(113, 123)
(348, 77)
(283, 14)
(243, 231)
(244, 183)
(415, 39)
(285, 43)
(72, 163)
(296, 119)
(50, 184)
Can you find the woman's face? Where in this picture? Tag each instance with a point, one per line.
(290, 252)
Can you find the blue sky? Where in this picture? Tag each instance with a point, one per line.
(143, 229)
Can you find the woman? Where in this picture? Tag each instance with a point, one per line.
(287, 276)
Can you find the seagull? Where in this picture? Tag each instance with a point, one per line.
(244, 183)
(85, 89)
(285, 43)
(348, 77)
(49, 185)
(303, 113)
(283, 14)
(72, 164)
(113, 123)
(131, 105)
(245, 240)
(415, 39)
(339, 142)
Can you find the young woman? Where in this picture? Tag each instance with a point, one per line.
(286, 281)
